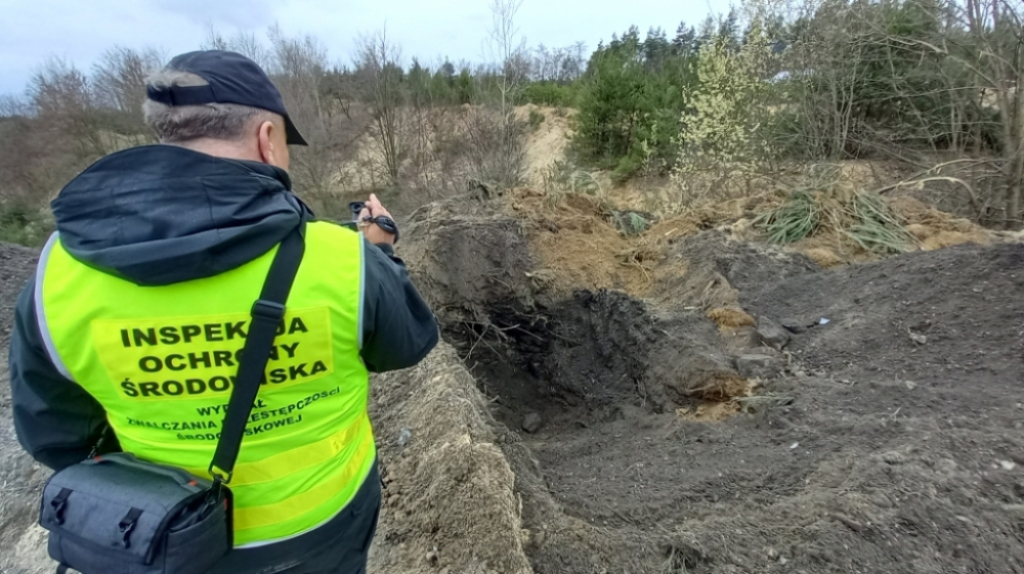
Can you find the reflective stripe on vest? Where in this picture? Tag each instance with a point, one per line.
(161, 360)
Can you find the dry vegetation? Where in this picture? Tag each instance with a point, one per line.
(759, 105)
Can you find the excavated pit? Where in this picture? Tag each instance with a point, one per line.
(564, 368)
(591, 359)
(902, 460)
(591, 389)
(574, 360)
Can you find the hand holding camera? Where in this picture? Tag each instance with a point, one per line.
(374, 221)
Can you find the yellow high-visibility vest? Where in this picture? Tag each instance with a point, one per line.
(162, 361)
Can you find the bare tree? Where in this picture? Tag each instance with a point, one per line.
(49, 135)
(380, 71)
(120, 77)
(932, 85)
(823, 65)
(562, 65)
(974, 63)
(119, 82)
(996, 29)
(65, 102)
(299, 66)
(247, 44)
(508, 48)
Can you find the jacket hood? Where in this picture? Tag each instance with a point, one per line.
(162, 214)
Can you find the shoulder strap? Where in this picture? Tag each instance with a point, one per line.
(267, 314)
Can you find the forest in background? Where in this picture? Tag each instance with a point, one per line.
(764, 95)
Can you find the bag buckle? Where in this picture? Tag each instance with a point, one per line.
(219, 476)
(268, 310)
(126, 529)
(59, 503)
(127, 525)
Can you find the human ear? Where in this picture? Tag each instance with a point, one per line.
(268, 154)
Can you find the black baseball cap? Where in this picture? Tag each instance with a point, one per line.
(232, 79)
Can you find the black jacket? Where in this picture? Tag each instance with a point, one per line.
(157, 215)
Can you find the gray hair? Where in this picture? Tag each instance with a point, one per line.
(180, 124)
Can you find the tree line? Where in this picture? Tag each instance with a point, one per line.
(930, 84)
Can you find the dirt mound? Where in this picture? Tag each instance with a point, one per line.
(706, 271)
(935, 229)
(941, 314)
(583, 242)
(449, 499)
(578, 246)
(460, 263)
(929, 229)
(743, 264)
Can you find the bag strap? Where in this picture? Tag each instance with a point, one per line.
(267, 314)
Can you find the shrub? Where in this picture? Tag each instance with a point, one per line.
(562, 179)
(723, 133)
(20, 223)
(796, 219)
(629, 110)
(550, 94)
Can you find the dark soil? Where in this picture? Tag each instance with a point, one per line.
(592, 358)
(964, 306)
(714, 258)
(745, 265)
(873, 453)
(461, 264)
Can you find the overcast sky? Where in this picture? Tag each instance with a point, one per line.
(80, 30)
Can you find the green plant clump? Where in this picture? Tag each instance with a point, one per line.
(563, 178)
(863, 217)
(795, 219)
(877, 229)
(637, 224)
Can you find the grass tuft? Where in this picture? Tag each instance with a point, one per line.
(825, 204)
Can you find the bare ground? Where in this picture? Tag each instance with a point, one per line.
(889, 444)
(596, 430)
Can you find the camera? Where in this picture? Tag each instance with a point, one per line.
(385, 223)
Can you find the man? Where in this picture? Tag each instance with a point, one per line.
(129, 335)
